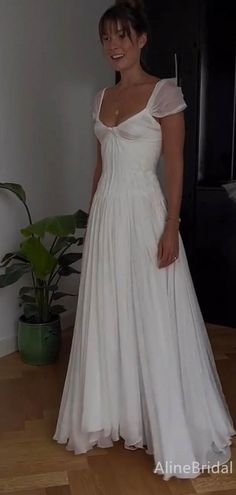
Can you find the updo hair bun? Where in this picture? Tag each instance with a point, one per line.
(135, 4)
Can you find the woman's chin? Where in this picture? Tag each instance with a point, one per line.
(117, 65)
(121, 66)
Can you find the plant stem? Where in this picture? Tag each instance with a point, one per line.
(28, 212)
(53, 244)
(45, 303)
(50, 301)
(52, 274)
(32, 274)
(52, 277)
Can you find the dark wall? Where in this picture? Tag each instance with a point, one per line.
(175, 37)
(202, 35)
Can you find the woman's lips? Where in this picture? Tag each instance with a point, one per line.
(117, 57)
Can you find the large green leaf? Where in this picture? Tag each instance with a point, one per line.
(65, 271)
(59, 226)
(69, 258)
(31, 310)
(25, 290)
(27, 299)
(63, 242)
(56, 309)
(81, 219)
(10, 256)
(41, 260)
(59, 295)
(52, 287)
(13, 273)
(17, 189)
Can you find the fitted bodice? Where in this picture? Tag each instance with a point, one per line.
(131, 150)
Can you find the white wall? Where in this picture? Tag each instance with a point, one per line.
(51, 65)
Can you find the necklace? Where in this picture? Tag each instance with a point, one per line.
(117, 111)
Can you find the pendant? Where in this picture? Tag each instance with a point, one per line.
(116, 112)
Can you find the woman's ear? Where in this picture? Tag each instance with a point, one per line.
(142, 40)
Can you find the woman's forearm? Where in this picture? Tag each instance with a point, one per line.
(173, 130)
(174, 188)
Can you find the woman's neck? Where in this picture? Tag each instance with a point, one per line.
(130, 77)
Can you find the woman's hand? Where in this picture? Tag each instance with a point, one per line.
(168, 246)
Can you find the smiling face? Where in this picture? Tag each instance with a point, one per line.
(121, 50)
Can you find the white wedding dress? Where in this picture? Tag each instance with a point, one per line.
(141, 365)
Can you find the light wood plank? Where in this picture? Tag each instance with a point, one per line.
(33, 481)
(58, 490)
(32, 463)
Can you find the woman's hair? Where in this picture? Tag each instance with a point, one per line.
(128, 13)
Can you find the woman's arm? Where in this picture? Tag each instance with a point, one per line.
(97, 173)
(173, 133)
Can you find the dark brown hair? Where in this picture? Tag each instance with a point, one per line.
(128, 13)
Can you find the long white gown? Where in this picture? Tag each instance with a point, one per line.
(141, 365)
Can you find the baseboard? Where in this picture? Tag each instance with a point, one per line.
(8, 345)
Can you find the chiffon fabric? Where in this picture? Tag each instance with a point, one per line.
(141, 366)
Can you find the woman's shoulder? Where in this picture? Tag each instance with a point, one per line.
(170, 84)
(167, 88)
(99, 92)
(168, 98)
(96, 101)
(154, 80)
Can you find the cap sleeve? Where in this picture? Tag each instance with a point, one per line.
(96, 104)
(168, 100)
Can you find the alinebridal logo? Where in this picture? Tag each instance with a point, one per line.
(193, 468)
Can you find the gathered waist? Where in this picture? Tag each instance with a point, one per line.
(136, 182)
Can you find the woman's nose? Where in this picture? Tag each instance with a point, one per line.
(113, 43)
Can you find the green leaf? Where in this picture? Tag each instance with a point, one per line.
(41, 260)
(13, 273)
(27, 299)
(81, 219)
(17, 189)
(59, 295)
(52, 287)
(65, 271)
(31, 310)
(63, 242)
(56, 309)
(80, 241)
(25, 290)
(7, 257)
(12, 256)
(59, 226)
(69, 258)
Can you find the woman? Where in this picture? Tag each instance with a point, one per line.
(141, 365)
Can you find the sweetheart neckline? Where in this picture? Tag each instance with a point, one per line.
(131, 116)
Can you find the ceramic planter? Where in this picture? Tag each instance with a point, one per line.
(39, 343)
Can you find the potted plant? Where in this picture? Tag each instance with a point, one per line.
(39, 326)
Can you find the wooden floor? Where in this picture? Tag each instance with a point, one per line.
(31, 463)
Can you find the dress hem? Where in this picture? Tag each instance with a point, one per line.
(166, 475)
